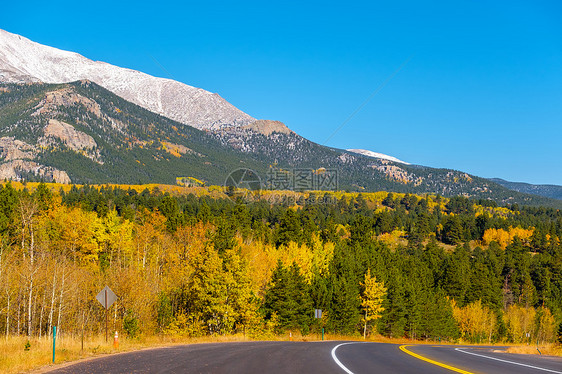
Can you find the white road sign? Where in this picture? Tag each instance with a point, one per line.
(106, 297)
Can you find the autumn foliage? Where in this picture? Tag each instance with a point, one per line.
(194, 263)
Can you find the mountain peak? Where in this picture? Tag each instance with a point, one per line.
(368, 153)
(24, 61)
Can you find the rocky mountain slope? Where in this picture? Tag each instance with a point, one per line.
(24, 61)
(82, 133)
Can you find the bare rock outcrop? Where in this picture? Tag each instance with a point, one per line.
(13, 170)
(267, 127)
(74, 139)
(65, 97)
(16, 160)
(13, 149)
(397, 174)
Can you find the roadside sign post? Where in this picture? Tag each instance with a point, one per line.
(105, 302)
(106, 297)
(318, 315)
(54, 339)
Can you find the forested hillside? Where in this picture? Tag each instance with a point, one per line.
(82, 133)
(547, 190)
(200, 263)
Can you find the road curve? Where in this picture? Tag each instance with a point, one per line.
(317, 357)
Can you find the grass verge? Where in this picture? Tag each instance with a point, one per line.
(546, 349)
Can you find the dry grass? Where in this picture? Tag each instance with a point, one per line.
(546, 349)
(14, 359)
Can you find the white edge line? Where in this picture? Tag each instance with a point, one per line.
(509, 362)
(338, 361)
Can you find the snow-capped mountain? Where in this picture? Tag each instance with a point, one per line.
(22, 60)
(367, 153)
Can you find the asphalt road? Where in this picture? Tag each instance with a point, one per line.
(318, 357)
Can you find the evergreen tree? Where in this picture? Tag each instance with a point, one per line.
(344, 279)
(455, 279)
(389, 200)
(288, 296)
(290, 228)
(453, 231)
(170, 209)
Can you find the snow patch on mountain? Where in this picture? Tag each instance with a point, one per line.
(367, 153)
(24, 61)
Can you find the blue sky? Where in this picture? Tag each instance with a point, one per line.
(481, 91)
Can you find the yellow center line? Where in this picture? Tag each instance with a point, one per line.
(403, 349)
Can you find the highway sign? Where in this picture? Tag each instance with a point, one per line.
(106, 297)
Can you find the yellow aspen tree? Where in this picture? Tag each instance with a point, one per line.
(208, 290)
(76, 234)
(475, 321)
(520, 321)
(323, 253)
(148, 234)
(546, 329)
(523, 234)
(372, 299)
(300, 254)
(261, 260)
(118, 237)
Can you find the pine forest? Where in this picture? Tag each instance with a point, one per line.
(205, 261)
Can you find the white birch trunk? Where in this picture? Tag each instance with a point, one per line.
(60, 303)
(365, 328)
(19, 315)
(52, 302)
(41, 316)
(29, 305)
(8, 317)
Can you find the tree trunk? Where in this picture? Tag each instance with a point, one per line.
(144, 257)
(60, 303)
(29, 305)
(19, 315)
(8, 317)
(365, 328)
(34, 311)
(52, 302)
(114, 316)
(41, 316)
